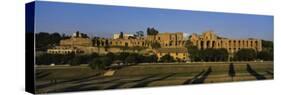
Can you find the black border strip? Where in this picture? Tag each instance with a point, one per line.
(29, 47)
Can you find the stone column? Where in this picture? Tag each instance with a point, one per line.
(205, 45)
(245, 44)
(241, 44)
(254, 46)
(215, 44)
(248, 43)
(259, 45)
(199, 44)
(211, 43)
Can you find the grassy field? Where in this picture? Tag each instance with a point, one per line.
(81, 78)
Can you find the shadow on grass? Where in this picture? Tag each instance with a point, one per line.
(269, 72)
(231, 71)
(203, 77)
(146, 82)
(254, 73)
(79, 87)
(122, 83)
(83, 86)
(194, 78)
(89, 79)
(56, 82)
(40, 75)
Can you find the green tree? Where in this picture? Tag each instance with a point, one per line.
(45, 40)
(193, 51)
(96, 64)
(167, 58)
(43, 59)
(47, 59)
(267, 51)
(222, 54)
(55, 39)
(267, 44)
(122, 56)
(135, 58)
(111, 56)
(121, 36)
(67, 57)
(246, 55)
(151, 58)
(131, 59)
(84, 58)
(152, 31)
(211, 54)
(100, 63)
(42, 40)
(207, 54)
(106, 61)
(75, 61)
(265, 55)
(139, 58)
(56, 58)
(94, 55)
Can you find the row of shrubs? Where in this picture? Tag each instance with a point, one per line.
(211, 55)
(97, 61)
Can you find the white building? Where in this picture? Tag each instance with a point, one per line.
(126, 36)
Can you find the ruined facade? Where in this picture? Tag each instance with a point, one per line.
(77, 40)
(76, 44)
(166, 40)
(211, 40)
(171, 43)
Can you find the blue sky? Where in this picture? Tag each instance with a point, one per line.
(101, 20)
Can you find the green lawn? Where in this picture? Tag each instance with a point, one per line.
(53, 79)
